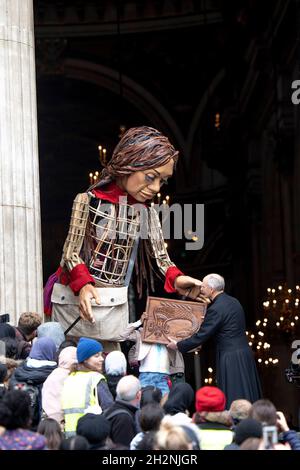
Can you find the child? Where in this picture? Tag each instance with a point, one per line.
(156, 361)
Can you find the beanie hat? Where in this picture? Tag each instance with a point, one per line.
(87, 347)
(247, 428)
(210, 399)
(95, 428)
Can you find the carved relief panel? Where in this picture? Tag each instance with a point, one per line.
(171, 318)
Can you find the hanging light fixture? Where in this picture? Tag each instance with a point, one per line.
(281, 308)
(261, 347)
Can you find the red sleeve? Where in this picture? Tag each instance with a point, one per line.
(79, 277)
(171, 275)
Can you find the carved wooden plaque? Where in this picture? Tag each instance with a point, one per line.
(171, 318)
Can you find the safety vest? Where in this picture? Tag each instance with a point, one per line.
(79, 392)
(215, 439)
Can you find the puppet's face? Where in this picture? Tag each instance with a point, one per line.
(144, 185)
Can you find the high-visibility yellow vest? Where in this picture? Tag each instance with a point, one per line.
(79, 392)
(215, 439)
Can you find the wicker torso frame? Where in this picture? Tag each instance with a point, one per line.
(102, 235)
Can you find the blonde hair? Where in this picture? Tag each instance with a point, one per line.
(239, 409)
(222, 417)
(170, 436)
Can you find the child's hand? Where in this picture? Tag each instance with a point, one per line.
(172, 344)
(143, 317)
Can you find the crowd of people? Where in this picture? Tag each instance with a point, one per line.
(59, 394)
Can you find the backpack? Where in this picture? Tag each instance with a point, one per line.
(35, 399)
(109, 414)
(22, 345)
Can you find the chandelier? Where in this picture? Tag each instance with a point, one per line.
(160, 199)
(209, 380)
(94, 176)
(281, 316)
(103, 157)
(261, 346)
(282, 308)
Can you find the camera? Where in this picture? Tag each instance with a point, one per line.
(270, 436)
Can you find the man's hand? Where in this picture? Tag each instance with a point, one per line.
(281, 422)
(86, 294)
(172, 344)
(189, 287)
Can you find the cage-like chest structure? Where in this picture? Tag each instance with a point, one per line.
(111, 232)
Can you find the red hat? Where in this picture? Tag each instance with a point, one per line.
(210, 399)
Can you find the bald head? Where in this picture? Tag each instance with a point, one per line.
(128, 388)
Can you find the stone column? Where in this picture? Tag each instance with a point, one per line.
(20, 226)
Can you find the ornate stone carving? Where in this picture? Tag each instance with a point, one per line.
(169, 318)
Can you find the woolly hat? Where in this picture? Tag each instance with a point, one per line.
(87, 347)
(210, 399)
(95, 428)
(247, 428)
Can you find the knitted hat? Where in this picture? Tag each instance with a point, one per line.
(95, 428)
(87, 347)
(247, 428)
(210, 399)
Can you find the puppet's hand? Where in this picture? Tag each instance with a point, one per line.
(86, 294)
(189, 287)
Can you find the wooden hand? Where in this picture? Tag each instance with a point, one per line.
(86, 294)
(189, 287)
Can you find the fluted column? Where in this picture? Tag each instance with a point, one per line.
(20, 227)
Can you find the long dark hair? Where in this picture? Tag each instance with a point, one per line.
(140, 148)
(50, 428)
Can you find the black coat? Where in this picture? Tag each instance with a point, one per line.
(236, 370)
(35, 377)
(123, 427)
